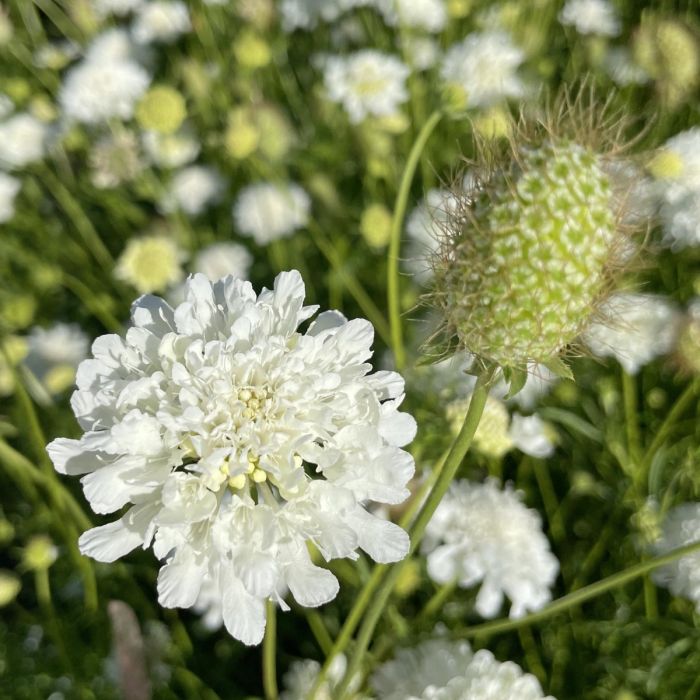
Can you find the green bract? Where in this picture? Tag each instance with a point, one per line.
(529, 257)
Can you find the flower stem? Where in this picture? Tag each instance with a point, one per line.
(452, 463)
(580, 596)
(269, 653)
(393, 293)
(629, 393)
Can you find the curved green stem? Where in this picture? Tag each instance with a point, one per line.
(269, 653)
(581, 595)
(452, 463)
(393, 295)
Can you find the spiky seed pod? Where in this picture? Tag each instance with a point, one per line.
(533, 251)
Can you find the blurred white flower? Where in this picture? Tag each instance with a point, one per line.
(590, 17)
(160, 21)
(531, 435)
(115, 158)
(480, 533)
(428, 15)
(221, 259)
(677, 171)
(267, 211)
(9, 187)
(150, 263)
(421, 52)
(368, 83)
(622, 69)
(106, 84)
(103, 8)
(681, 526)
(634, 329)
(301, 676)
(444, 670)
(193, 189)
(484, 65)
(53, 356)
(22, 141)
(171, 150)
(239, 441)
(306, 14)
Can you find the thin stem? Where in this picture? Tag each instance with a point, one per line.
(580, 596)
(351, 283)
(452, 463)
(393, 291)
(270, 652)
(667, 426)
(629, 393)
(318, 629)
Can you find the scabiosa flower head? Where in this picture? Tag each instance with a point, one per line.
(171, 150)
(161, 109)
(193, 189)
(681, 526)
(103, 8)
(150, 263)
(53, 355)
(483, 67)
(591, 17)
(267, 211)
(368, 83)
(22, 141)
(160, 21)
(106, 84)
(9, 187)
(443, 670)
(239, 440)
(301, 677)
(428, 15)
(634, 329)
(115, 159)
(480, 533)
(535, 248)
(222, 259)
(676, 169)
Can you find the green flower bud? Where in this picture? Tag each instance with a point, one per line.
(375, 225)
(529, 253)
(40, 553)
(10, 586)
(161, 109)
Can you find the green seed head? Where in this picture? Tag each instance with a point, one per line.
(531, 253)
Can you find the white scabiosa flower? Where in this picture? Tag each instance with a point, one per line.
(590, 17)
(428, 15)
(237, 441)
(193, 189)
(634, 329)
(9, 187)
(622, 69)
(442, 670)
(115, 158)
(150, 263)
(54, 354)
(160, 21)
(301, 677)
(484, 66)
(120, 8)
(267, 211)
(171, 150)
(681, 526)
(676, 168)
(22, 141)
(106, 84)
(306, 14)
(482, 534)
(368, 83)
(222, 259)
(531, 435)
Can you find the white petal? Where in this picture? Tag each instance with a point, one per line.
(244, 614)
(69, 457)
(384, 541)
(105, 489)
(179, 582)
(395, 427)
(326, 321)
(258, 572)
(109, 542)
(489, 600)
(311, 585)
